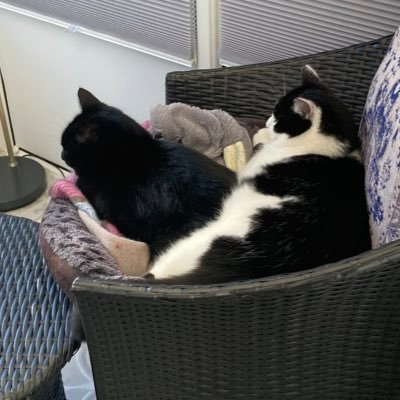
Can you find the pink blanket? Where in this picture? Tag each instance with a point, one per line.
(132, 256)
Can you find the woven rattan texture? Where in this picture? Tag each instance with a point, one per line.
(53, 389)
(33, 317)
(333, 333)
(253, 90)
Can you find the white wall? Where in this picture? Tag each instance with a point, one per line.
(44, 65)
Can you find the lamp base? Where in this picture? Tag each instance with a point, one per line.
(22, 184)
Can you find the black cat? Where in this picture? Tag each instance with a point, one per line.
(299, 203)
(153, 191)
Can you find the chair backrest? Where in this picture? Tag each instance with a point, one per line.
(380, 133)
(252, 90)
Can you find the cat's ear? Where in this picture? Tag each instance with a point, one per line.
(304, 107)
(86, 99)
(309, 76)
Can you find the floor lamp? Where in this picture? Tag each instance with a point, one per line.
(22, 180)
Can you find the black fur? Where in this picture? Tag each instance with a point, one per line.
(329, 222)
(153, 191)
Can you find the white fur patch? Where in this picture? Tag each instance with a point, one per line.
(267, 134)
(281, 146)
(234, 220)
(356, 154)
(261, 136)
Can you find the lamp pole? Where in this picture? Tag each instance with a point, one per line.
(7, 137)
(22, 180)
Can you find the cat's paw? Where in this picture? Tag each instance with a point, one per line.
(261, 137)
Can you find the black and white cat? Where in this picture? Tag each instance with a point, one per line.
(299, 202)
(153, 191)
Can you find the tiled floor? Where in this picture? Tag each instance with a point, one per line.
(77, 374)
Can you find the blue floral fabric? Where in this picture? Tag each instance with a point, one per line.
(380, 134)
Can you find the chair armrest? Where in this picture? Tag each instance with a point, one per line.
(338, 321)
(384, 258)
(252, 90)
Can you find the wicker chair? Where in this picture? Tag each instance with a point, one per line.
(332, 332)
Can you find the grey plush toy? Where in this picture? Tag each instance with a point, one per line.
(214, 133)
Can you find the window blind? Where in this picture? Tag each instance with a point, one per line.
(253, 31)
(165, 26)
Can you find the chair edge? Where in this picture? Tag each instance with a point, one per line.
(387, 255)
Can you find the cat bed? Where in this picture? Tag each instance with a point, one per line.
(71, 250)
